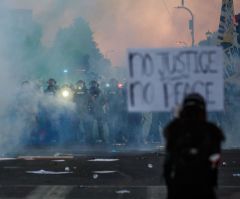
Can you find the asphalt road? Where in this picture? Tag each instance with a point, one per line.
(99, 172)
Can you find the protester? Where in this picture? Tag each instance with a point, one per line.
(193, 149)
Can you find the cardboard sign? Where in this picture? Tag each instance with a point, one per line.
(160, 78)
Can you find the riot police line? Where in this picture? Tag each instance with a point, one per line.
(86, 113)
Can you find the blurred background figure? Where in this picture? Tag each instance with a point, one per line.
(26, 111)
(51, 87)
(96, 103)
(114, 106)
(82, 120)
(46, 128)
(193, 149)
(66, 115)
(154, 133)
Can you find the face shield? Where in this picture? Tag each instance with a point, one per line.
(80, 86)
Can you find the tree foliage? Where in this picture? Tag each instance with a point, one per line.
(74, 48)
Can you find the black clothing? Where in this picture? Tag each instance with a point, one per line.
(114, 106)
(188, 171)
(51, 90)
(134, 127)
(82, 121)
(96, 102)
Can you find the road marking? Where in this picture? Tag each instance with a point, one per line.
(104, 172)
(103, 160)
(7, 159)
(43, 172)
(45, 157)
(53, 192)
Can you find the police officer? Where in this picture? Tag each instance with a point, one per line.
(114, 105)
(193, 148)
(81, 87)
(81, 98)
(66, 114)
(52, 87)
(96, 102)
(46, 128)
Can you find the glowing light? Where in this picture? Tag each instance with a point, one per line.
(65, 93)
(107, 85)
(65, 70)
(120, 85)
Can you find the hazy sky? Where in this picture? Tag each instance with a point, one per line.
(120, 24)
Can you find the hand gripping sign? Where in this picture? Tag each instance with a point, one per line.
(160, 78)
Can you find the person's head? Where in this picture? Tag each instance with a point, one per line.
(193, 107)
(93, 84)
(51, 82)
(80, 85)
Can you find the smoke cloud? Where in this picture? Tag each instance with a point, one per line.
(121, 24)
(117, 25)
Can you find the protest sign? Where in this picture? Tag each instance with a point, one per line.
(160, 78)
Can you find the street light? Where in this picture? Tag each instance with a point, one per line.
(191, 22)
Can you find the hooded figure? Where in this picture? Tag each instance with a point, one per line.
(193, 148)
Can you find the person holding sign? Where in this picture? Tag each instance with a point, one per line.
(193, 148)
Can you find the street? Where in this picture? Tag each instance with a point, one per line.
(99, 173)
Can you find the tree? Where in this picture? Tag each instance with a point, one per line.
(75, 49)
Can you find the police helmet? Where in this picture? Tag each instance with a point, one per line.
(94, 83)
(80, 82)
(52, 81)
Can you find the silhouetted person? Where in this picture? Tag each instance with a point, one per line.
(52, 87)
(82, 121)
(96, 104)
(193, 148)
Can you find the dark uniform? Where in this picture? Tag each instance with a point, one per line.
(52, 87)
(96, 102)
(81, 98)
(46, 129)
(193, 148)
(114, 106)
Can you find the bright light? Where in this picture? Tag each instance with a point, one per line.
(107, 85)
(65, 70)
(120, 85)
(65, 93)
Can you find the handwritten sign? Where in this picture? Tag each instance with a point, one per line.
(160, 78)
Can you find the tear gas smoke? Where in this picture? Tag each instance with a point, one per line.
(23, 56)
